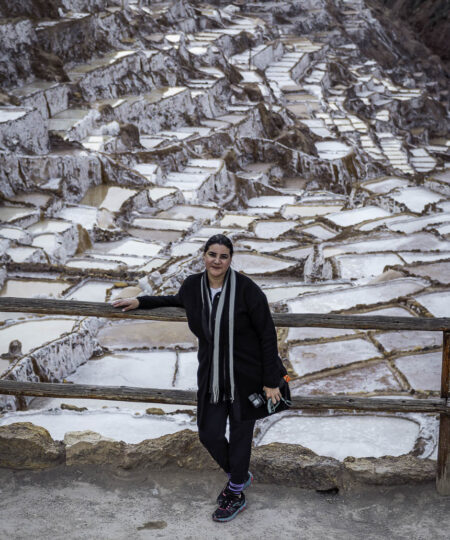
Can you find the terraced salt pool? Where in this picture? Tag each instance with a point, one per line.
(342, 436)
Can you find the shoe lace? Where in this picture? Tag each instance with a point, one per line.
(230, 499)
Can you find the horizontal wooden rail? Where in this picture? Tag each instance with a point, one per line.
(102, 309)
(183, 397)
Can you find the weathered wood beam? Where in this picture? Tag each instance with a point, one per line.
(443, 462)
(183, 397)
(102, 309)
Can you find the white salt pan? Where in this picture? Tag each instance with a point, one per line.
(120, 426)
(265, 247)
(276, 294)
(342, 436)
(273, 229)
(129, 246)
(347, 298)
(394, 243)
(272, 201)
(415, 198)
(91, 291)
(49, 226)
(423, 371)
(186, 378)
(315, 357)
(409, 340)
(301, 334)
(358, 215)
(141, 369)
(306, 210)
(437, 303)
(330, 150)
(385, 185)
(410, 225)
(258, 264)
(33, 288)
(360, 266)
(34, 333)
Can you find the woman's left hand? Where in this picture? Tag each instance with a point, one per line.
(272, 393)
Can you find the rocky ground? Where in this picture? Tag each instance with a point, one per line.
(178, 505)
(314, 133)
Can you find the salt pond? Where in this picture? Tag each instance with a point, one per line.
(437, 303)
(409, 340)
(394, 243)
(385, 185)
(259, 264)
(34, 333)
(309, 210)
(50, 226)
(277, 294)
(109, 197)
(358, 215)
(91, 291)
(309, 358)
(331, 150)
(120, 425)
(371, 378)
(128, 246)
(134, 368)
(347, 298)
(342, 436)
(423, 371)
(186, 377)
(415, 198)
(153, 334)
(273, 229)
(360, 266)
(34, 288)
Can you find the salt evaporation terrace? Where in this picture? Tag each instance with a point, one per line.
(324, 158)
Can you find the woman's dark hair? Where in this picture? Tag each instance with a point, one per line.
(219, 239)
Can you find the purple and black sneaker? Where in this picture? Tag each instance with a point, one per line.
(247, 483)
(230, 506)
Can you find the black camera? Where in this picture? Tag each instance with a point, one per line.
(257, 400)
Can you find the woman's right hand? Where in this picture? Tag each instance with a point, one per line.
(126, 303)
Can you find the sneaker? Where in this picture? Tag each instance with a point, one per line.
(231, 506)
(221, 495)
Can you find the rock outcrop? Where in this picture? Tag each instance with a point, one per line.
(26, 446)
(389, 470)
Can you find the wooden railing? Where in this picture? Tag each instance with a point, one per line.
(439, 406)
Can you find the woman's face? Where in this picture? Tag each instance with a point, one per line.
(217, 261)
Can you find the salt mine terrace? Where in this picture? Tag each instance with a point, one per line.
(440, 406)
(320, 138)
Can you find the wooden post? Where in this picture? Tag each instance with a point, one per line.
(443, 462)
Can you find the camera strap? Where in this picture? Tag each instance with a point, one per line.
(271, 408)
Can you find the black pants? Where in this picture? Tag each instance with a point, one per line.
(233, 455)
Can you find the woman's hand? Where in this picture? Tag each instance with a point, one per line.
(272, 393)
(126, 303)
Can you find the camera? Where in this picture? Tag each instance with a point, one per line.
(256, 400)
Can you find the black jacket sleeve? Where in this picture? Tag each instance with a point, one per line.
(262, 322)
(151, 302)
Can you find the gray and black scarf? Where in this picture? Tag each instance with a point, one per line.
(219, 330)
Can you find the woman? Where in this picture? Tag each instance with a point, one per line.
(237, 356)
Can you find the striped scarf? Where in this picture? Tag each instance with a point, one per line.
(221, 348)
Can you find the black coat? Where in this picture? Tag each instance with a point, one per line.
(256, 360)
